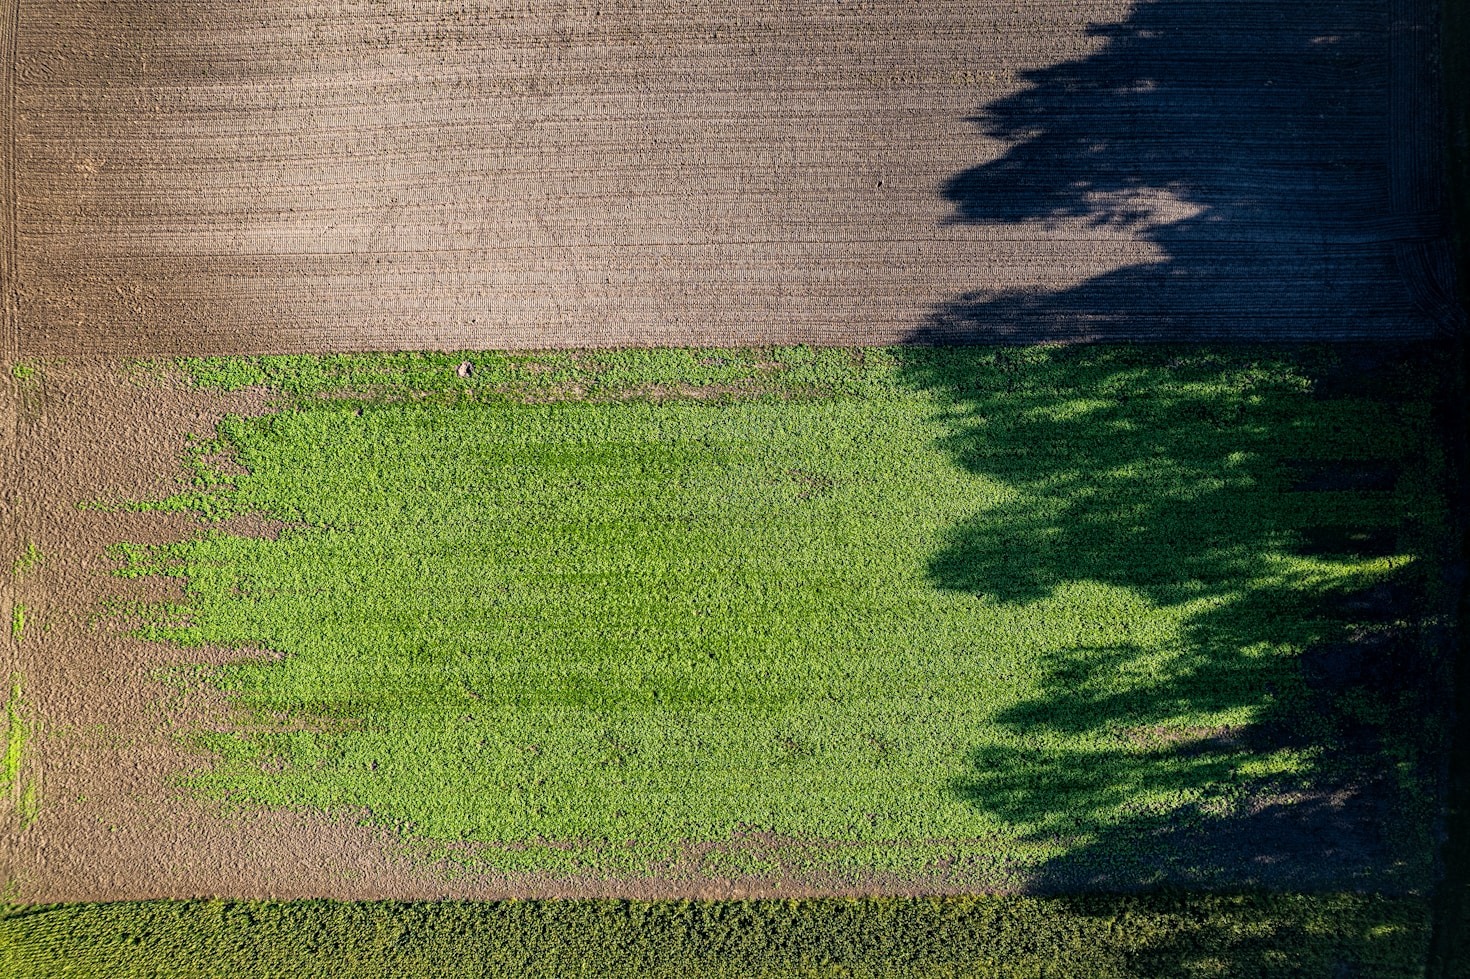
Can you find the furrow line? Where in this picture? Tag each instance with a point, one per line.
(9, 51)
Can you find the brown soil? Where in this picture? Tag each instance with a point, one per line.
(188, 177)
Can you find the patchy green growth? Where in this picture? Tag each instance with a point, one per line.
(28, 561)
(15, 738)
(17, 621)
(983, 617)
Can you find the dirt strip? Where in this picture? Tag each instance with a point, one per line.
(397, 174)
(9, 223)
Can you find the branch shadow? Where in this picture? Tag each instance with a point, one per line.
(1255, 147)
(1217, 485)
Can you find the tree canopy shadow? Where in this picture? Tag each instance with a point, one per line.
(1219, 484)
(1277, 157)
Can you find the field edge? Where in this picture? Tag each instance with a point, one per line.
(1160, 934)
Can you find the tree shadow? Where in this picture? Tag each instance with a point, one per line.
(1277, 158)
(1194, 480)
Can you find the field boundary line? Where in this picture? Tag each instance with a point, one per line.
(9, 335)
(9, 50)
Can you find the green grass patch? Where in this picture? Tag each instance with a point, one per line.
(1236, 936)
(555, 376)
(15, 740)
(986, 616)
(17, 621)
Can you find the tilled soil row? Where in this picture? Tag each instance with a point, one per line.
(218, 178)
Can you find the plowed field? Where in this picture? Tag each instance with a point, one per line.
(190, 178)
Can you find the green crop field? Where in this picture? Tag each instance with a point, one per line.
(1051, 617)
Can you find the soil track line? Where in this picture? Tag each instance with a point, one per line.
(9, 46)
(9, 344)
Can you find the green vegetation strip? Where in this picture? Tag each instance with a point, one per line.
(1237, 936)
(28, 561)
(995, 616)
(15, 739)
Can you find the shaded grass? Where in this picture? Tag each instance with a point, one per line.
(993, 617)
(1292, 510)
(1101, 936)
